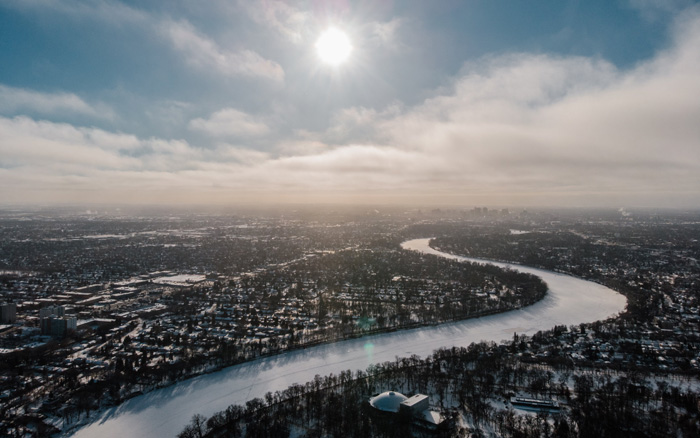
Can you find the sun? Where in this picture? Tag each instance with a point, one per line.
(333, 46)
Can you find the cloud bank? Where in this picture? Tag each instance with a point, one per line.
(516, 128)
(20, 100)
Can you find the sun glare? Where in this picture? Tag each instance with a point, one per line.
(333, 46)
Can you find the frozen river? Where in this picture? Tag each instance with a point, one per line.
(166, 411)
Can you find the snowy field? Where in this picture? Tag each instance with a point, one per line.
(166, 411)
(180, 279)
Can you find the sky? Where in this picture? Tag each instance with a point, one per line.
(591, 103)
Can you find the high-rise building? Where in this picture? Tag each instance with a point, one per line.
(54, 322)
(8, 313)
(52, 311)
(58, 327)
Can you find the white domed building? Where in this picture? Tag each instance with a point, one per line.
(389, 401)
(417, 407)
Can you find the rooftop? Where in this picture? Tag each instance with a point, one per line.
(388, 401)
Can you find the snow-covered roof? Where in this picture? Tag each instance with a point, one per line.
(431, 417)
(389, 401)
(416, 399)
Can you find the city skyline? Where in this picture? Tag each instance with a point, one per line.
(459, 103)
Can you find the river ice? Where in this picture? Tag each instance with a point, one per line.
(166, 411)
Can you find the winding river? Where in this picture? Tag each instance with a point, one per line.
(166, 411)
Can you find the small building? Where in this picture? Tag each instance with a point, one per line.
(532, 404)
(78, 296)
(124, 295)
(90, 288)
(417, 406)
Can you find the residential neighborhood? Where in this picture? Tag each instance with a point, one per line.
(86, 326)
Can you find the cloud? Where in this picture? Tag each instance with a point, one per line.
(45, 161)
(383, 33)
(541, 123)
(198, 49)
(47, 147)
(206, 55)
(229, 122)
(358, 123)
(107, 11)
(514, 128)
(304, 143)
(354, 159)
(20, 101)
(230, 153)
(28, 143)
(60, 149)
(534, 125)
(652, 10)
(284, 18)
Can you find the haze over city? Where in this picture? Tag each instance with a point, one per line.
(560, 103)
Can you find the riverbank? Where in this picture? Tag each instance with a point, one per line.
(164, 412)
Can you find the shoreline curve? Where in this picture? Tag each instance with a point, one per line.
(166, 411)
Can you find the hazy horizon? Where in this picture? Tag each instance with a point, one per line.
(556, 104)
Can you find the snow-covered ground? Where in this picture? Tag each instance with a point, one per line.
(166, 411)
(181, 279)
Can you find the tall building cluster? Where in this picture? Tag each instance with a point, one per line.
(54, 322)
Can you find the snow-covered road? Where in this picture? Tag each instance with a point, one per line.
(166, 411)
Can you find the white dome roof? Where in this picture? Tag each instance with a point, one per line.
(389, 401)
